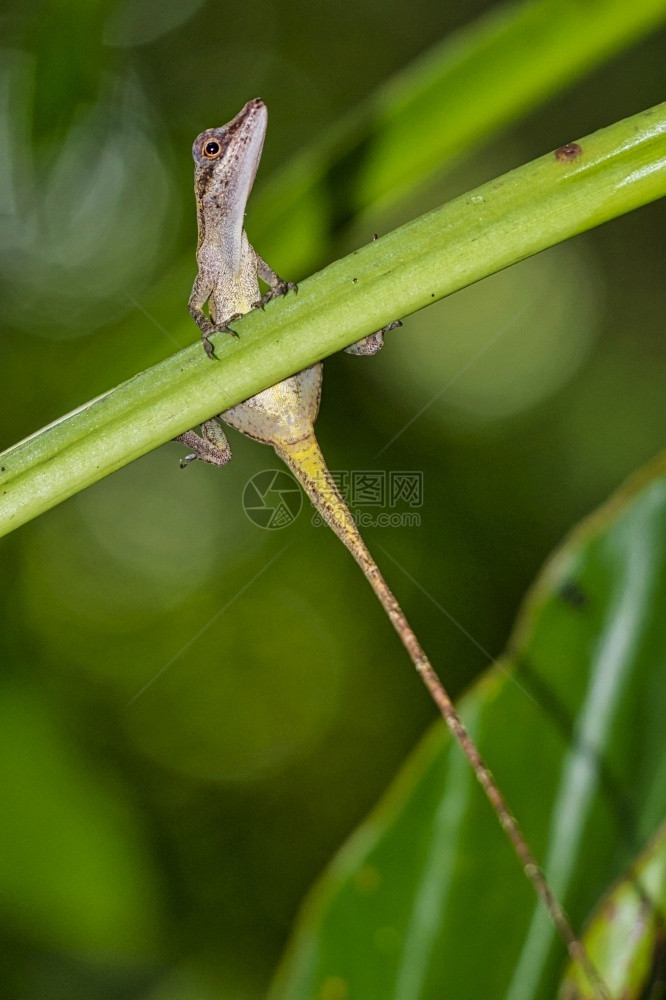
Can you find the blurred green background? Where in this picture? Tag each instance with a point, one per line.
(158, 846)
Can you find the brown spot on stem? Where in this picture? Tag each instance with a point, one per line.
(571, 593)
(568, 152)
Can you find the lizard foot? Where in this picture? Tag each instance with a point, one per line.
(373, 343)
(218, 328)
(280, 288)
(211, 446)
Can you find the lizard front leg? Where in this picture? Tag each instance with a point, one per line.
(201, 293)
(210, 446)
(278, 286)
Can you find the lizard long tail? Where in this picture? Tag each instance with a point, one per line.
(305, 460)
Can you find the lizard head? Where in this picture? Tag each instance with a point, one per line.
(226, 158)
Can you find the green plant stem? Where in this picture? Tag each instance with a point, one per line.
(520, 213)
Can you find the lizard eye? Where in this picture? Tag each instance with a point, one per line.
(212, 149)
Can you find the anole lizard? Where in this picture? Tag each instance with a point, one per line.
(226, 161)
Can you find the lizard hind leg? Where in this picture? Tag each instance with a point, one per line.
(210, 446)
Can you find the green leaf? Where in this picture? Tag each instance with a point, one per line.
(533, 207)
(626, 935)
(427, 899)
